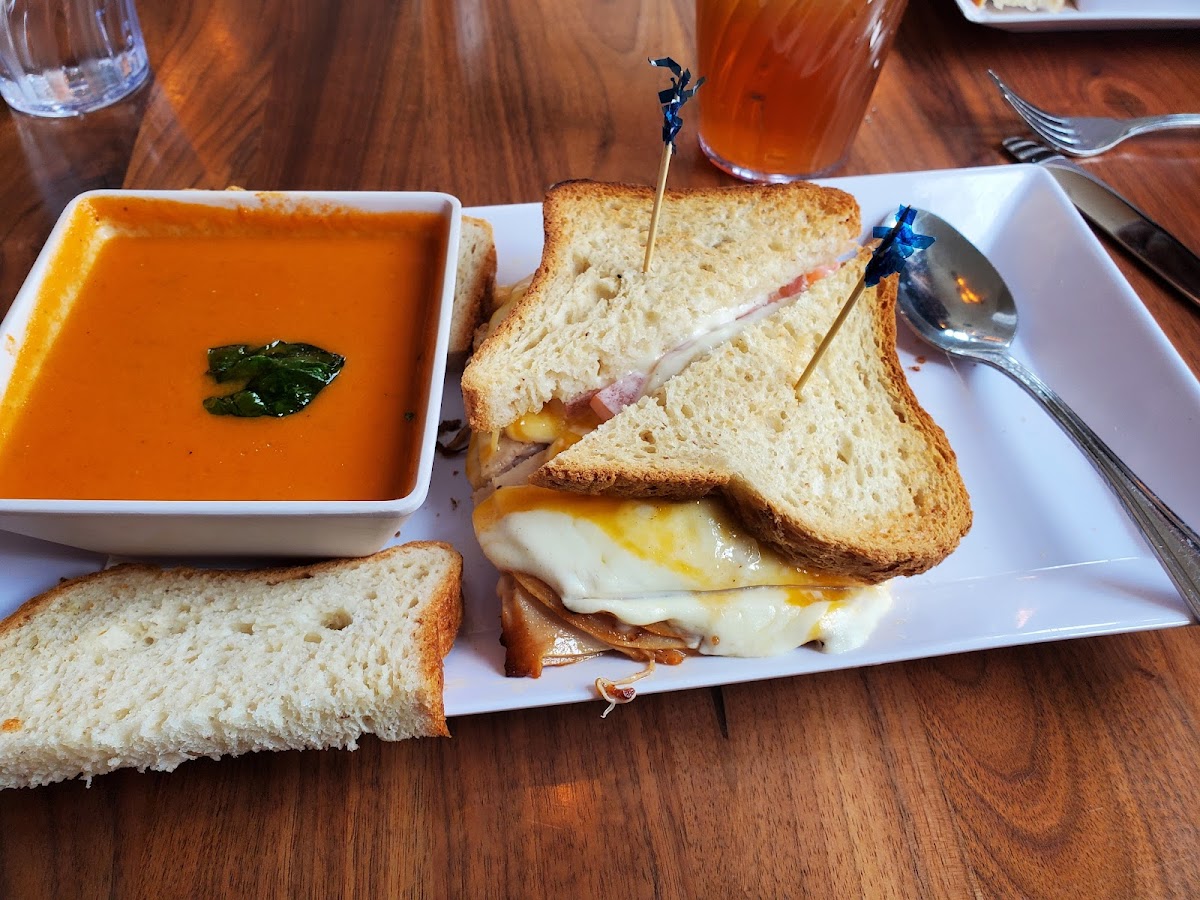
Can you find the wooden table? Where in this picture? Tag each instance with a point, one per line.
(1057, 770)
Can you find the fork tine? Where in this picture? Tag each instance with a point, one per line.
(1053, 128)
(1010, 94)
(1048, 129)
(1023, 106)
(1033, 114)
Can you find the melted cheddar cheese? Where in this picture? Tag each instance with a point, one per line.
(685, 563)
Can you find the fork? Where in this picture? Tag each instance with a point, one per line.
(1087, 135)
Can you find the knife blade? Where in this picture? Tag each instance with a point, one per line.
(1145, 239)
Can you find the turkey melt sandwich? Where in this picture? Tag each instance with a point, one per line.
(647, 478)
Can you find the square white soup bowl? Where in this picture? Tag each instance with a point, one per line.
(287, 528)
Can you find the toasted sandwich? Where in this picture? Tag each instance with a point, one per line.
(648, 478)
(591, 329)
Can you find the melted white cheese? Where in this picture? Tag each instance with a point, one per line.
(704, 340)
(686, 563)
(755, 621)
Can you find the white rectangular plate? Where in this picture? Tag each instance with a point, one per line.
(1089, 15)
(1050, 554)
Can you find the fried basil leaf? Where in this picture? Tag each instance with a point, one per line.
(277, 379)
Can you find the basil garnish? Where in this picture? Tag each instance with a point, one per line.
(278, 379)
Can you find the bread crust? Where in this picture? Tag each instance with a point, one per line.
(560, 201)
(476, 280)
(909, 545)
(438, 628)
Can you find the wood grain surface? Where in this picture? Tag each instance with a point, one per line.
(1060, 770)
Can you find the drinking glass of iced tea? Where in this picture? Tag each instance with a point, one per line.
(788, 81)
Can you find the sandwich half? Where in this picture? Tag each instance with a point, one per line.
(592, 329)
(717, 510)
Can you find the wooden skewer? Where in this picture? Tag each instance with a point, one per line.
(829, 335)
(848, 305)
(658, 196)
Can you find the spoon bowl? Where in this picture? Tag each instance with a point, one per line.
(955, 300)
(952, 295)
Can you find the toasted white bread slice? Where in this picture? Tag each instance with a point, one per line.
(591, 317)
(850, 476)
(473, 288)
(148, 667)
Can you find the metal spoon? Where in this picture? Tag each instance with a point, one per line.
(956, 300)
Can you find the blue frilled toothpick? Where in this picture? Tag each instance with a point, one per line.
(671, 100)
(898, 244)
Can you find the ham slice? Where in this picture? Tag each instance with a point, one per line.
(609, 401)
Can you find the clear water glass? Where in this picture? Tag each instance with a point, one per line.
(67, 57)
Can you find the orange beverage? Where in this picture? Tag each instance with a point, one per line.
(788, 81)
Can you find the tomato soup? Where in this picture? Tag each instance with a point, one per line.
(107, 397)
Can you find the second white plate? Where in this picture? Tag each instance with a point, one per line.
(1089, 15)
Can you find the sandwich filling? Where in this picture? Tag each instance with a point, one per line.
(1033, 5)
(680, 570)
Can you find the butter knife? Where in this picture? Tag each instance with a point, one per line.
(1108, 211)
